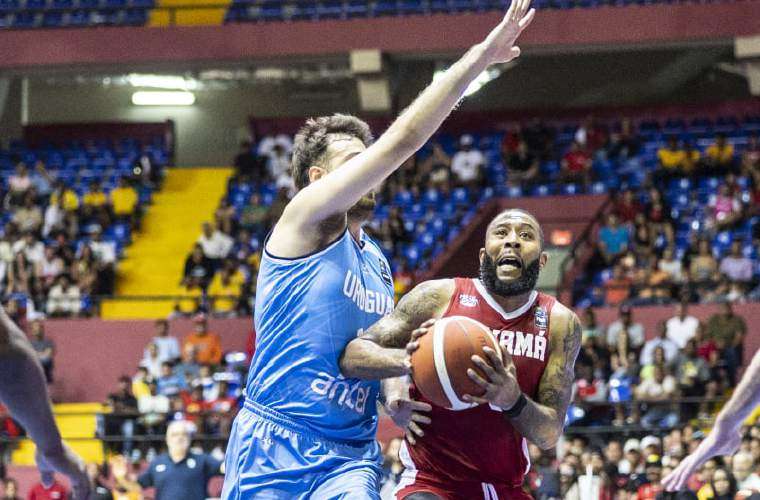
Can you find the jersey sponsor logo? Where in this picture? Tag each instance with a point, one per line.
(523, 344)
(468, 300)
(339, 390)
(368, 301)
(385, 273)
(541, 320)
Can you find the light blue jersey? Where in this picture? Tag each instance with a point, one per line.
(308, 422)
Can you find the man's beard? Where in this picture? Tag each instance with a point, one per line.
(524, 284)
(364, 208)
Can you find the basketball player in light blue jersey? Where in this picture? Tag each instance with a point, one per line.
(305, 431)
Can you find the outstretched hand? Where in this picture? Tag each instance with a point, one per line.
(722, 440)
(66, 462)
(500, 43)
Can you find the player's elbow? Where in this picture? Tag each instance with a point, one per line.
(348, 362)
(549, 438)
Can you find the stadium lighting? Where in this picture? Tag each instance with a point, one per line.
(168, 82)
(167, 98)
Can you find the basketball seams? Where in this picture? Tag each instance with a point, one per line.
(439, 358)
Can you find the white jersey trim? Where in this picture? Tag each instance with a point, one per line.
(496, 307)
(409, 476)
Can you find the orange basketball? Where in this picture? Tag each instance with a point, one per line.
(439, 365)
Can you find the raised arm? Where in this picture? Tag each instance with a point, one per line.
(24, 391)
(540, 420)
(341, 188)
(381, 351)
(724, 438)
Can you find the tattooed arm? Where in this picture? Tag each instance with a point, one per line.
(540, 421)
(381, 351)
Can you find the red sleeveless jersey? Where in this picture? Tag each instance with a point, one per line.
(479, 444)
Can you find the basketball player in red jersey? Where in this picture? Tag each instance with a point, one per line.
(481, 452)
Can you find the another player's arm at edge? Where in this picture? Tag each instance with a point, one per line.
(542, 420)
(745, 398)
(23, 388)
(380, 351)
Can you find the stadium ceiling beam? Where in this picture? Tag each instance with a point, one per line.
(553, 31)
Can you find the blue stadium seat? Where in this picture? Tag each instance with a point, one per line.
(329, 10)
(386, 8)
(410, 7)
(52, 19)
(9, 5)
(136, 17)
(24, 20)
(356, 8)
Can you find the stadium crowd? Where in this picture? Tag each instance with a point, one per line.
(61, 241)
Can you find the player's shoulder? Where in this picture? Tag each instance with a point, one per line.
(441, 289)
(562, 317)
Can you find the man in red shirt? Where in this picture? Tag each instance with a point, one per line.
(650, 489)
(56, 492)
(576, 166)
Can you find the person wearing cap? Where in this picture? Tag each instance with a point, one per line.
(625, 323)
(631, 462)
(208, 346)
(468, 163)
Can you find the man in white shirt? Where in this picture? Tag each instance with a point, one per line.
(467, 163)
(635, 330)
(216, 245)
(682, 326)
(657, 391)
(33, 249)
(168, 347)
(103, 251)
(64, 299)
(669, 347)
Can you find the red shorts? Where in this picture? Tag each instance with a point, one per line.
(414, 481)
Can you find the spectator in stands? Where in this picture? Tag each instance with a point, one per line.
(153, 410)
(225, 289)
(614, 239)
(104, 253)
(436, 168)
(671, 159)
(19, 184)
(278, 164)
(55, 491)
(670, 348)
(703, 267)
(64, 298)
(522, 166)
(152, 361)
(692, 159)
(123, 415)
(44, 347)
(95, 204)
(28, 217)
(627, 207)
(468, 163)
(47, 270)
(651, 486)
(576, 166)
(31, 247)
(736, 266)
(168, 346)
(199, 269)
(725, 208)
(84, 271)
(682, 327)
(751, 156)
(179, 473)
(69, 197)
(743, 469)
(54, 218)
(723, 484)
(719, 157)
(188, 368)
(672, 266)
(625, 323)
(208, 345)
(692, 374)
(255, 217)
(248, 165)
(168, 383)
(140, 383)
(216, 245)
(224, 217)
(123, 199)
(657, 392)
(617, 288)
(729, 328)
(10, 489)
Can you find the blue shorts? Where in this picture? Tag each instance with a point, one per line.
(269, 456)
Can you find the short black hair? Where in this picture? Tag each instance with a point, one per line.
(312, 140)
